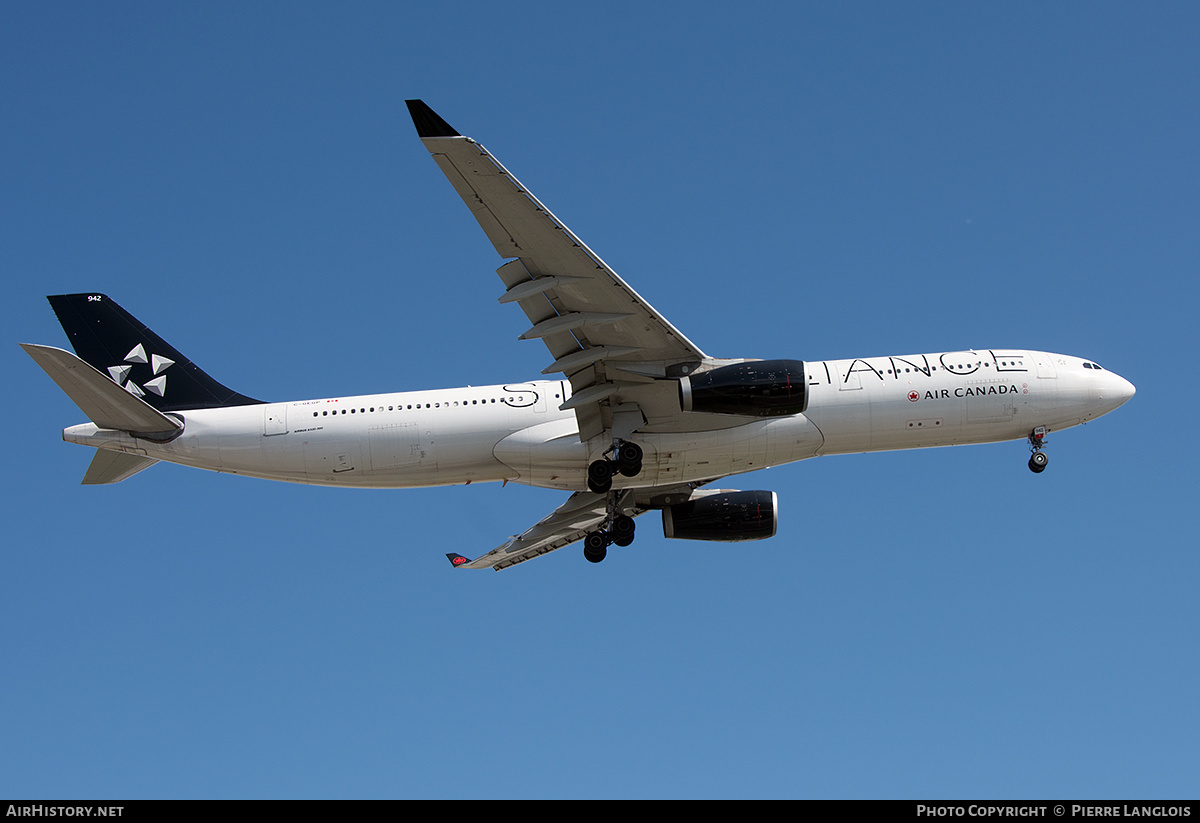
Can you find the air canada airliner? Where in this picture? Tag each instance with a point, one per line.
(640, 418)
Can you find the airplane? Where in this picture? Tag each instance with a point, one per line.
(641, 419)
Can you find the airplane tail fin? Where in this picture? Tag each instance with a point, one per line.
(116, 343)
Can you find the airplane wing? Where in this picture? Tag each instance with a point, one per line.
(601, 334)
(581, 513)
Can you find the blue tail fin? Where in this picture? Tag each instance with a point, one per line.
(114, 342)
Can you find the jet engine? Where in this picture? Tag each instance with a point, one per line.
(728, 516)
(759, 388)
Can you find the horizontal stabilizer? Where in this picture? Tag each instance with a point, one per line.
(104, 402)
(113, 467)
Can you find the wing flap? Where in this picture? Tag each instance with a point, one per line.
(500, 236)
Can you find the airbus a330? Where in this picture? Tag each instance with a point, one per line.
(641, 419)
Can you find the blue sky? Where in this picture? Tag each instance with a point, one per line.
(817, 180)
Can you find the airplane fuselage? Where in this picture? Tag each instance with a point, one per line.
(517, 432)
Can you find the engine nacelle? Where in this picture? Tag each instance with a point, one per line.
(728, 516)
(760, 388)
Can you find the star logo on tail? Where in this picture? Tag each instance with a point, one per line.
(157, 384)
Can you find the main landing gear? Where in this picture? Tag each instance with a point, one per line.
(618, 529)
(1038, 460)
(626, 459)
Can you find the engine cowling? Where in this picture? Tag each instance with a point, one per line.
(727, 516)
(760, 388)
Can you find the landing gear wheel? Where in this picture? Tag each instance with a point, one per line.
(1038, 462)
(629, 459)
(600, 476)
(595, 556)
(622, 530)
(595, 546)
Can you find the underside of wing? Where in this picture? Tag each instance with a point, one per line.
(612, 345)
(581, 513)
(570, 522)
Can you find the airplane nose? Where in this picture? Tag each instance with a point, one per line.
(1119, 390)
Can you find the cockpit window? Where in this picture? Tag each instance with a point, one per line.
(1092, 366)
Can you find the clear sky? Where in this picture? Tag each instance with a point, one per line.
(802, 180)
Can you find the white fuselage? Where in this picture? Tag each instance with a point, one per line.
(516, 432)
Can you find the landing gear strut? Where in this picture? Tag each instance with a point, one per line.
(1038, 460)
(627, 459)
(618, 529)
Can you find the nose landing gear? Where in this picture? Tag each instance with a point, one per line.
(1038, 460)
(627, 459)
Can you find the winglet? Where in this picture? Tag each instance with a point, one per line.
(457, 560)
(427, 121)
